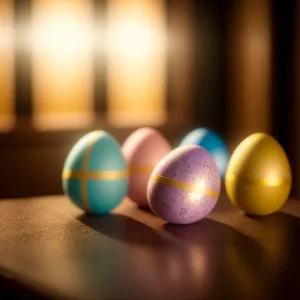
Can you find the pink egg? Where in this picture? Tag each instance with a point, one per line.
(142, 150)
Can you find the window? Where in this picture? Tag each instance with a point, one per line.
(63, 43)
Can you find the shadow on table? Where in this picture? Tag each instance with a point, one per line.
(278, 218)
(283, 228)
(12, 289)
(146, 209)
(124, 229)
(209, 259)
(197, 259)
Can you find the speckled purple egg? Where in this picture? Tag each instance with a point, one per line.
(185, 185)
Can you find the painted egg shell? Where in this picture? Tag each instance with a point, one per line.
(212, 142)
(258, 178)
(143, 149)
(185, 185)
(95, 175)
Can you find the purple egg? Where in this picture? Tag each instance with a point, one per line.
(185, 185)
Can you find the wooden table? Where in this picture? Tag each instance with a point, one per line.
(50, 249)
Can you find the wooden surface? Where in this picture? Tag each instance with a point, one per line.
(48, 247)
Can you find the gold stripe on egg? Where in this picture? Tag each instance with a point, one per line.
(86, 160)
(260, 182)
(189, 187)
(95, 175)
(135, 169)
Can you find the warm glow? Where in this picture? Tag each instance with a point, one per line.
(133, 38)
(198, 259)
(62, 35)
(7, 117)
(136, 62)
(62, 45)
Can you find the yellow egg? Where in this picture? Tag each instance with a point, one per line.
(258, 178)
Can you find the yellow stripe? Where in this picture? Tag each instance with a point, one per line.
(260, 182)
(190, 187)
(140, 169)
(86, 160)
(95, 175)
(87, 156)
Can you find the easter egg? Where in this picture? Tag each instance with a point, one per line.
(95, 175)
(258, 178)
(185, 185)
(143, 149)
(212, 142)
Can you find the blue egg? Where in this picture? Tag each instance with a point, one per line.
(95, 175)
(212, 142)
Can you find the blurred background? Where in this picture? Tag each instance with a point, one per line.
(71, 66)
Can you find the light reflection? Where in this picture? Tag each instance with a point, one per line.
(169, 271)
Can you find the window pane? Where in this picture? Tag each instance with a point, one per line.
(62, 41)
(136, 62)
(7, 117)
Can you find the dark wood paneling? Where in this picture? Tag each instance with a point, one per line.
(100, 53)
(295, 130)
(209, 102)
(181, 79)
(282, 77)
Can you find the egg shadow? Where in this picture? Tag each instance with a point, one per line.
(279, 216)
(143, 207)
(146, 208)
(287, 224)
(216, 237)
(124, 229)
(207, 232)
